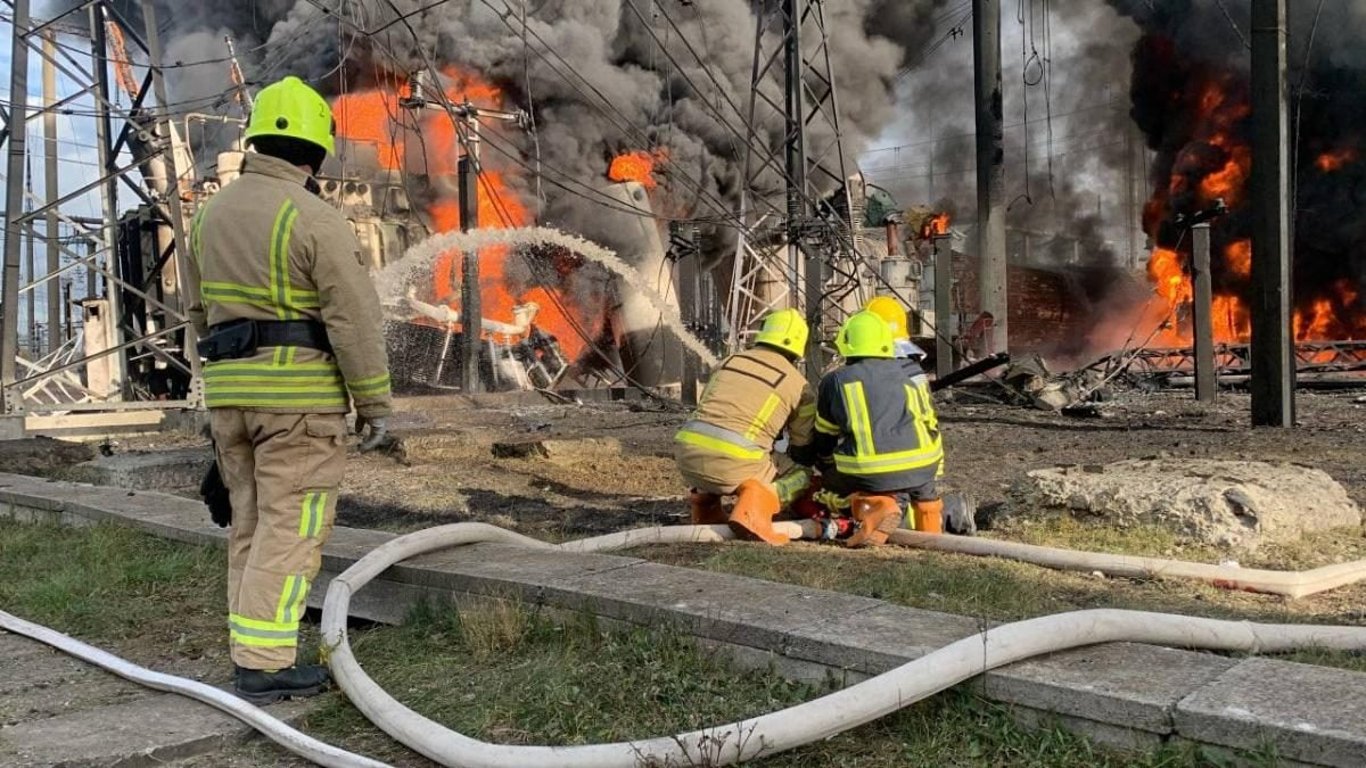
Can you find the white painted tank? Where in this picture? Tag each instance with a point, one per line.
(650, 354)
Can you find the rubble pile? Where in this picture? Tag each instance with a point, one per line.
(1236, 505)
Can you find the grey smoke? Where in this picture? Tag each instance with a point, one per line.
(603, 70)
(1080, 122)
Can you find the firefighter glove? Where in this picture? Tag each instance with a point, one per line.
(375, 431)
(215, 495)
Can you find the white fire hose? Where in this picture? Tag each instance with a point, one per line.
(717, 745)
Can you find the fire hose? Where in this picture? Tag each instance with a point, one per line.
(717, 745)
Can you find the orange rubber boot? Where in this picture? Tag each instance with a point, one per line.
(752, 518)
(877, 517)
(929, 516)
(706, 509)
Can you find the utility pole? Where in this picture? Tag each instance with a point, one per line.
(1205, 384)
(54, 261)
(991, 209)
(471, 314)
(30, 269)
(943, 305)
(1130, 208)
(109, 200)
(1273, 365)
(425, 93)
(14, 204)
(66, 312)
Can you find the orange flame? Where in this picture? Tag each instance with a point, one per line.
(1238, 259)
(374, 117)
(1336, 160)
(937, 224)
(1167, 270)
(638, 166)
(1230, 181)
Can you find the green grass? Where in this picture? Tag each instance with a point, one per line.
(110, 583)
(502, 674)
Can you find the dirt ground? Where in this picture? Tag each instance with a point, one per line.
(609, 465)
(622, 474)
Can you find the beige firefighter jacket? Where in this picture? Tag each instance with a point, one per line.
(751, 397)
(266, 248)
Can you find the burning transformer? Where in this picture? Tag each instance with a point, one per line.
(517, 353)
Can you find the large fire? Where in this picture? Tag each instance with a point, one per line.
(1210, 161)
(430, 145)
(638, 166)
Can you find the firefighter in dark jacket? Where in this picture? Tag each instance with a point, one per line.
(878, 428)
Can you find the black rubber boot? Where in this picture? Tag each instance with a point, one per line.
(297, 682)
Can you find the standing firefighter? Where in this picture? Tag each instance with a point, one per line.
(879, 426)
(725, 448)
(290, 324)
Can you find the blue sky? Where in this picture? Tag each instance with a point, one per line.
(77, 158)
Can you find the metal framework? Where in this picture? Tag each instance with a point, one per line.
(1310, 357)
(798, 245)
(32, 384)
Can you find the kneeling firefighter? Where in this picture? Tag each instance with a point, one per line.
(725, 447)
(291, 331)
(878, 426)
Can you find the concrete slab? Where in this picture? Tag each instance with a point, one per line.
(170, 470)
(732, 609)
(1312, 714)
(37, 682)
(880, 638)
(142, 733)
(1127, 683)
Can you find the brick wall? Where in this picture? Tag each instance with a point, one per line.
(1050, 309)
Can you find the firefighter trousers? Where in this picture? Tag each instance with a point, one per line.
(282, 471)
(708, 472)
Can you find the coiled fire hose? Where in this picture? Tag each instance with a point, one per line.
(717, 745)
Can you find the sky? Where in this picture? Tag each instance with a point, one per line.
(77, 158)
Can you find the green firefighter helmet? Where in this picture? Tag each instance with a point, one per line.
(865, 335)
(786, 330)
(291, 108)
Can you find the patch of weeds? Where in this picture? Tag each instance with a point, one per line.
(108, 582)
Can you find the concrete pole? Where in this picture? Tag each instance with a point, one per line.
(943, 305)
(1130, 230)
(688, 303)
(471, 314)
(1204, 328)
(1273, 365)
(54, 261)
(14, 204)
(30, 298)
(991, 207)
(68, 329)
(90, 287)
(109, 202)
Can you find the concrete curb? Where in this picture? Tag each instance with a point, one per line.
(1122, 694)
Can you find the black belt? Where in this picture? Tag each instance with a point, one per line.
(278, 333)
(292, 333)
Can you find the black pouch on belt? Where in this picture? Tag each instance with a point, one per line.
(229, 341)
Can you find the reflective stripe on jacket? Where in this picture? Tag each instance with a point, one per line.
(883, 423)
(718, 440)
(751, 397)
(265, 248)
